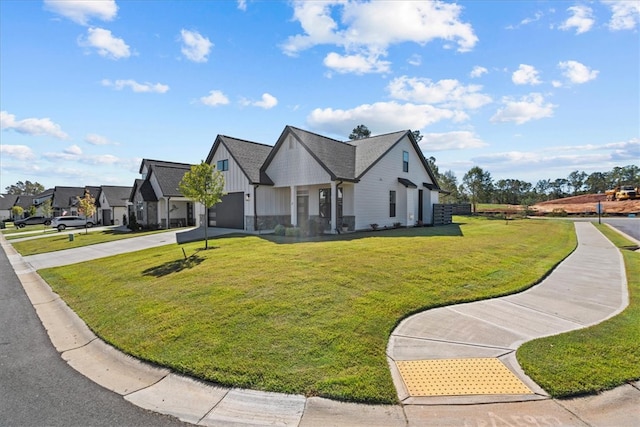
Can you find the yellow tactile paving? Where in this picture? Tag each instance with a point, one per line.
(459, 377)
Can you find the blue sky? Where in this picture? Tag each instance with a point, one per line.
(524, 89)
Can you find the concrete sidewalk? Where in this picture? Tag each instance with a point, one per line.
(575, 294)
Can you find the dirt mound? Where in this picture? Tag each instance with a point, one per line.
(585, 198)
(587, 204)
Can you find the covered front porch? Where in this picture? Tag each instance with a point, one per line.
(331, 205)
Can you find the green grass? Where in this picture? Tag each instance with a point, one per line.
(594, 359)
(60, 241)
(12, 232)
(308, 317)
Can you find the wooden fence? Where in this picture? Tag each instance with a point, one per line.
(442, 213)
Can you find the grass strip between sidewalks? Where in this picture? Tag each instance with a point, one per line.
(60, 241)
(310, 318)
(593, 359)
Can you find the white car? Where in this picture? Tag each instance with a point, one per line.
(62, 222)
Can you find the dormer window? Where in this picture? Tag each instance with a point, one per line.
(405, 161)
(223, 165)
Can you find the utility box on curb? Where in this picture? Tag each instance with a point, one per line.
(71, 237)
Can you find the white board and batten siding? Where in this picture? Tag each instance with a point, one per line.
(235, 181)
(293, 165)
(372, 192)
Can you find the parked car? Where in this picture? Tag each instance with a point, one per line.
(32, 220)
(62, 222)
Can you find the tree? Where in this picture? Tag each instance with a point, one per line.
(576, 180)
(17, 211)
(86, 207)
(47, 209)
(27, 188)
(32, 210)
(360, 132)
(203, 184)
(596, 183)
(478, 184)
(417, 136)
(431, 161)
(449, 183)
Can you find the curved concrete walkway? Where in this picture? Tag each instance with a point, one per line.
(576, 294)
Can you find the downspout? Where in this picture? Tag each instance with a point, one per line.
(168, 213)
(255, 208)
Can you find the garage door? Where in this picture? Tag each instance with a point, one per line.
(229, 213)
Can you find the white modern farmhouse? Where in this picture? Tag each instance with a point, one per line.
(383, 180)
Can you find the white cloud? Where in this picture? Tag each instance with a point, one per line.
(380, 117)
(74, 150)
(135, 86)
(357, 64)
(526, 74)
(581, 19)
(268, 101)
(242, 5)
(576, 72)
(195, 47)
(526, 21)
(31, 126)
(95, 139)
(530, 107)
(478, 71)
(105, 43)
(81, 11)
(215, 97)
(625, 14)
(367, 29)
(19, 152)
(457, 140)
(415, 60)
(448, 93)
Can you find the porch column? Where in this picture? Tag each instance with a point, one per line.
(294, 205)
(334, 206)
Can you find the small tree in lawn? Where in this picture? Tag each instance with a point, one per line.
(17, 211)
(86, 207)
(47, 210)
(203, 184)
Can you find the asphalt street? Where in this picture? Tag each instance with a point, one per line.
(37, 387)
(630, 226)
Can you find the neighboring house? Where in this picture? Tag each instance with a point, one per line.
(7, 201)
(113, 204)
(240, 162)
(156, 200)
(25, 202)
(382, 180)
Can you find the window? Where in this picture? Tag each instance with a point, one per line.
(223, 165)
(325, 203)
(392, 204)
(405, 161)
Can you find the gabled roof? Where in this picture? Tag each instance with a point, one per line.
(25, 201)
(169, 178)
(116, 195)
(150, 163)
(64, 197)
(249, 156)
(145, 189)
(336, 157)
(370, 150)
(7, 201)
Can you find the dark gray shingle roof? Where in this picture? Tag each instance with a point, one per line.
(169, 178)
(249, 156)
(64, 197)
(116, 195)
(336, 157)
(7, 201)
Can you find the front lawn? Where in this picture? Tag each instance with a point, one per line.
(60, 241)
(598, 358)
(301, 317)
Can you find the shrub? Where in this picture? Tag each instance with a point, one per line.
(279, 230)
(558, 212)
(293, 232)
(373, 226)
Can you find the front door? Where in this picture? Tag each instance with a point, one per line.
(303, 210)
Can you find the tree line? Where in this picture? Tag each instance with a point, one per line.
(478, 186)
